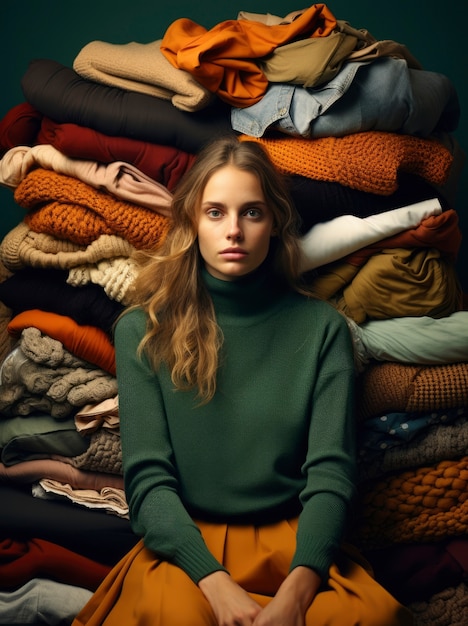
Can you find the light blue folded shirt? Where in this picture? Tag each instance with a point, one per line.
(384, 94)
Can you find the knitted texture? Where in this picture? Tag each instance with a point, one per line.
(400, 387)
(121, 180)
(6, 342)
(22, 247)
(87, 342)
(142, 68)
(116, 276)
(68, 208)
(40, 374)
(104, 453)
(447, 608)
(369, 161)
(424, 504)
(47, 351)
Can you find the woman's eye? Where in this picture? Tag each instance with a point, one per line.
(253, 213)
(214, 213)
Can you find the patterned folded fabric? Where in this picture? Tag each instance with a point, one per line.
(108, 499)
(440, 440)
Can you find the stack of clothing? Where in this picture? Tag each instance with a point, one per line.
(363, 136)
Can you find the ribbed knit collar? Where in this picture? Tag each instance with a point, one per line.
(253, 296)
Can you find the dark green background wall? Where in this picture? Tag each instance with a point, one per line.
(434, 31)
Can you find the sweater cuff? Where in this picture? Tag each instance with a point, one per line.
(197, 562)
(316, 554)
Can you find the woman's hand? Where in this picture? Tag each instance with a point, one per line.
(231, 605)
(293, 598)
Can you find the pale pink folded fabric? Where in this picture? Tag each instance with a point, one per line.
(30, 471)
(120, 179)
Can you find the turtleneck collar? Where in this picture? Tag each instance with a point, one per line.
(252, 295)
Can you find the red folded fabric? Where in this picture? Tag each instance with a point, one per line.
(441, 232)
(165, 164)
(23, 560)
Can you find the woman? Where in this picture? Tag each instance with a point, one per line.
(236, 397)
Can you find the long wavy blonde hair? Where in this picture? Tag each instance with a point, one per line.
(182, 331)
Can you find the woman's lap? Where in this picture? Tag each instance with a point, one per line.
(142, 590)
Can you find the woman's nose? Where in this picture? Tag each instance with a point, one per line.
(234, 231)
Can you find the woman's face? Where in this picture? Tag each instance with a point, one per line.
(235, 224)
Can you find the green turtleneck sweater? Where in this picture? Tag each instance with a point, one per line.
(276, 441)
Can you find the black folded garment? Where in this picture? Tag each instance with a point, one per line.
(46, 289)
(319, 201)
(99, 536)
(61, 94)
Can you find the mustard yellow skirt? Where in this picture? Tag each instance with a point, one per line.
(142, 590)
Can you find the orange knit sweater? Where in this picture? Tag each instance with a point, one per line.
(423, 504)
(368, 161)
(68, 208)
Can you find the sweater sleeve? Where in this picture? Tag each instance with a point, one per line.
(330, 466)
(156, 511)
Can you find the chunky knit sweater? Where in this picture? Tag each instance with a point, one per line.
(276, 441)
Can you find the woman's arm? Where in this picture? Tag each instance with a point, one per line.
(157, 512)
(330, 463)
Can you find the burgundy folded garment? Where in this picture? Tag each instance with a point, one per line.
(164, 164)
(19, 127)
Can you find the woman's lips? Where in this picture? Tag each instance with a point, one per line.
(234, 254)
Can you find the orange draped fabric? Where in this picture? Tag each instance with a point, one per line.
(223, 59)
(141, 589)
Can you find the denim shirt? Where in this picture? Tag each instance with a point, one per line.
(384, 94)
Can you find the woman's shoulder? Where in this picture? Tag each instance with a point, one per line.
(310, 307)
(132, 320)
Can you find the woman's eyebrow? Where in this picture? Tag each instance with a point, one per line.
(248, 203)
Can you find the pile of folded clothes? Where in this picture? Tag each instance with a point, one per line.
(364, 137)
